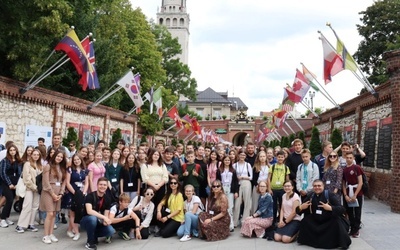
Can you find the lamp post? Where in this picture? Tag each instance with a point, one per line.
(311, 94)
(211, 110)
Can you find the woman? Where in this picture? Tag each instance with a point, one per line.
(53, 189)
(141, 157)
(77, 182)
(245, 175)
(260, 173)
(31, 201)
(214, 223)
(172, 216)
(113, 172)
(83, 152)
(42, 214)
(10, 171)
(124, 154)
(270, 156)
(155, 174)
(130, 177)
(212, 166)
(96, 170)
(193, 207)
(221, 153)
(230, 184)
(144, 209)
(27, 154)
(262, 148)
(289, 221)
(90, 158)
(233, 156)
(333, 175)
(262, 217)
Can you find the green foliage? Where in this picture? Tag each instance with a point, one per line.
(380, 29)
(174, 142)
(317, 110)
(183, 110)
(266, 143)
(71, 136)
(291, 139)
(149, 123)
(143, 139)
(181, 142)
(284, 141)
(115, 137)
(315, 144)
(301, 136)
(336, 138)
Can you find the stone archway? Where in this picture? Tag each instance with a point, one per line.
(239, 139)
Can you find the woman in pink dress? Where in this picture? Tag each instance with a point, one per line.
(96, 170)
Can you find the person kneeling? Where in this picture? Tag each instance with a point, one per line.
(124, 218)
(95, 215)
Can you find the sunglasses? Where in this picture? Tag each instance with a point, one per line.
(72, 145)
(216, 186)
(149, 194)
(332, 156)
(173, 183)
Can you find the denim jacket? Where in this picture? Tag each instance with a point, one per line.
(264, 209)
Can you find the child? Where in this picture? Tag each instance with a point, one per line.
(307, 173)
(191, 172)
(169, 163)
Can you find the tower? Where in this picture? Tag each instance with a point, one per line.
(173, 15)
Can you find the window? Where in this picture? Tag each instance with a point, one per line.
(174, 22)
(200, 111)
(161, 21)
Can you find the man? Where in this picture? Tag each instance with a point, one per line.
(95, 215)
(250, 153)
(294, 159)
(121, 144)
(106, 155)
(100, 145)
(307, 173)
(353, 194)
(345, 147)
(57, 145)
(199, 152)
(320, 159)
(160, 147)
(173, 171)
(40, 141)
(207, 152)
(72, 148)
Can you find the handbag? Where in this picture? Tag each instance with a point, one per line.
(39, 183)
(20, 188)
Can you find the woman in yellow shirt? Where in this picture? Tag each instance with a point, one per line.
(170, 210)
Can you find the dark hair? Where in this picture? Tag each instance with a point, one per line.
(231, 169)
(106, 148)
(345, 143)
(101, 141)
(17, 156)
(169, 191)
(190, 152)
(25, 155)
(122, 141)
(63, 164)
(170, 149)
(48, 157)
(135, 163)
(150, 154)
(102, 179)
(291, 183)
(73, 143)
(209, 158)
(41, 139)
(73, 166)
(280, 152)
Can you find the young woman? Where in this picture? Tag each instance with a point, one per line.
(245, 175)
(141, 157)
(212, 167)
(233, 156)
(221, 153)
(130, 177)
(53, 189)
(83, 152)
(172, 216)
(124, 154)
(144, 209)
(262, 148)
(214, 223)
(96, 170)
(230, 185)
(42, 214)
(10, 171)
(77, 182)
(270, 156)
(155, 174)
(113, 172)
(333, 175)
(262, 218)
(289, 220)
(31, 201)
(193, 207)
(260, 173)
(27, 154)
(90, 158)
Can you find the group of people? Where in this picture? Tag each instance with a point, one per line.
(203, 192)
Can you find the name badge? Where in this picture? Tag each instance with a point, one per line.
(211, 212)
(79, 184)
(58, 184)
(167, 210)
(114, 180)
(278, 183)
(328, 182)
(304, 182)
(318, 211)
(130, 184)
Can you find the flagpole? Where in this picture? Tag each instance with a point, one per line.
(309, 108)
(177, 132)
(188, 136)
(297, 123)
(284, 130)
(133, 109)
(104, 98)
(173, 126)
(278, 136)
(287, 124)
(363, 80)
(324, 92)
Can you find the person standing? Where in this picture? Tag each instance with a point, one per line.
(96, 170)
(307, 173)
(321, 158)
(294, 160)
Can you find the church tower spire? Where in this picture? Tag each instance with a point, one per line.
(173, 15)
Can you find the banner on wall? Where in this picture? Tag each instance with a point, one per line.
(126, 135)
(2, 133)
(84, 134)
(94, 133)
(33, 132)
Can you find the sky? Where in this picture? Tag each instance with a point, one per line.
(252, 48)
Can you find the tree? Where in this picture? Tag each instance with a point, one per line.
(380, 30)
(143, 139)
(315, 143)
(284, 141)
(71, 136)
(115, 137)
(183, 110)
(336, 138)
(301, 136)
(174, 142)
(317, 110)
(291, 139)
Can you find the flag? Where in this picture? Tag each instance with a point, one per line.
(279, 118)
(129, 84)
(187, 122)
(173, 114)
(299, 89)
(90, 78)
(71, 45)
(287, 104)
(348, 60)
(196, 126)
(310, 77)
(333, 63)
(157, 99)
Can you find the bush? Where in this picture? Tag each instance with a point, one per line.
(336, 138)
(115, 137)
(71, 136)
(315, 144)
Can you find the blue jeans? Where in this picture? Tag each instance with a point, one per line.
(94, 229)
(190, 225)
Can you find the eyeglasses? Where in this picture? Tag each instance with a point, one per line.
(317, 185)
(332, 156)
(173, 183)
(216, 186)
(149, 194)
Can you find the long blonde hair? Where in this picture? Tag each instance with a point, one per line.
(257, 163)
(329, 164)
(38, 163)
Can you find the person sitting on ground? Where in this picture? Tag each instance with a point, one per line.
(124, 218)
(323, 225)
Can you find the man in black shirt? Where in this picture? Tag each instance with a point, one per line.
(250, 153)
(95, 215)
(294, 160)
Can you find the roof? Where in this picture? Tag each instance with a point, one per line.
(209, 95)
(237, 100)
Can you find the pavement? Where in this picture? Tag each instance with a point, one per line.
(380, 230)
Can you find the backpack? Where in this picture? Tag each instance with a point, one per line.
(197, 167)
(365, 185)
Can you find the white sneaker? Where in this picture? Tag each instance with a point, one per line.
(185, 238)
(77, 236)
(3, 224)
(53, 238)
(55, 226)
(70, 234)
(9, 222)
(46, 239)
